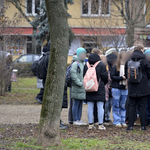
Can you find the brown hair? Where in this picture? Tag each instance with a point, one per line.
(119, 59)
(96, 50)
(87, 55)
(104, 57)
(139, 47)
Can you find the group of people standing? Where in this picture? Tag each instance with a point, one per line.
(116, 88)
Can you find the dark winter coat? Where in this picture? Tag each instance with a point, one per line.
(115, 76)
(139, 89)
(102, 76)
(65, 97)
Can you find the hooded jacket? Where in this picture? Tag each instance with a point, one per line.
(102, 76)
(78, 91)
(139, 89)
(110, 60)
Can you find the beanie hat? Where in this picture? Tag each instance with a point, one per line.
(147, 52)
(80, 51)
(111, 58)
(45, 49)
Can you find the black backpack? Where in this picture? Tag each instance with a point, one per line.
(33, 67)
(41, 67)
(134, 71)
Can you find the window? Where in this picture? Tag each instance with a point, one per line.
(29, 45)
(95, 7)
(1, 7)
(90, 42)
(26, 59)
(32, 7)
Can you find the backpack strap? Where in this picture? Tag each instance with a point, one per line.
(88, 64)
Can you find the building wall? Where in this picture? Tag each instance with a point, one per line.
(77, 20)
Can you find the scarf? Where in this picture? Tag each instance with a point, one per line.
(122, 73)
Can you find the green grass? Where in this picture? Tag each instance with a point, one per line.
(87, 144)
(23, 92)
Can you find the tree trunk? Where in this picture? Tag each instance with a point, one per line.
(54, 88)
(130, 35)
(34, 42)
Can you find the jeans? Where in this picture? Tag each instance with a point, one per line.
(40, 95)
(108, 105)
(100, 107)
(77, 109)
(119, 100)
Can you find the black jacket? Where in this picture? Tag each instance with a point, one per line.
(139, 89)
(115, 76)
(101, 73)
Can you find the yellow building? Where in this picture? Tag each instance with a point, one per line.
(95, 23)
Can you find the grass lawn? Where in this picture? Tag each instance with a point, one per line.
(23, 92)
(22, 137)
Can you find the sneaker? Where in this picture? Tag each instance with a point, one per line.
(77, 123)
(124, 125)
(83, 123)
(61, 122)
(118, 125)
(91, 127)
(101, 127)
(62, 127)
(38, 100)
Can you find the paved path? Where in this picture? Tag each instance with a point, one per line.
(24, 114)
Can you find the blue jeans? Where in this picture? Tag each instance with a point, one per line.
(77, 109)
(119, 100)
(108, 105)
(100, 108)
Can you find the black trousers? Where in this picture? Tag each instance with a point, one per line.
(142, 102)
(70, 114)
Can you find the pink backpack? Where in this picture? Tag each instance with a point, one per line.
(90, 79)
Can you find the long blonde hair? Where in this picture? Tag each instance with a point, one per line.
(103, 57)
(119, 59)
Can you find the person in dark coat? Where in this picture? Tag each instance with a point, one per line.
(138, 92)
(99, 96)
(39, 96)
(147, 54)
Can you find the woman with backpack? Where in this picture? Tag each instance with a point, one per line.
(98, 95)
(119, 90)
(78, 92)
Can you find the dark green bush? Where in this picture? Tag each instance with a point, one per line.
(24, 69)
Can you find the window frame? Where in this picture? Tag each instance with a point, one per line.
(33, 8)
(99, 11)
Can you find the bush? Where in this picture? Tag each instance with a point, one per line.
(24, 69)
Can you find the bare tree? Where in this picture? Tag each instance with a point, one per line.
(134, 13)
(101, 25)
(53, 93)
(20, 6)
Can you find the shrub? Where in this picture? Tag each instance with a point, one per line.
(24, 69)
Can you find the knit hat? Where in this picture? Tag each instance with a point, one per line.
(45, 49)
(147, 52)
(80, 51)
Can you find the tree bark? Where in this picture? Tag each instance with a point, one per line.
(54, 88)
(130, 35)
